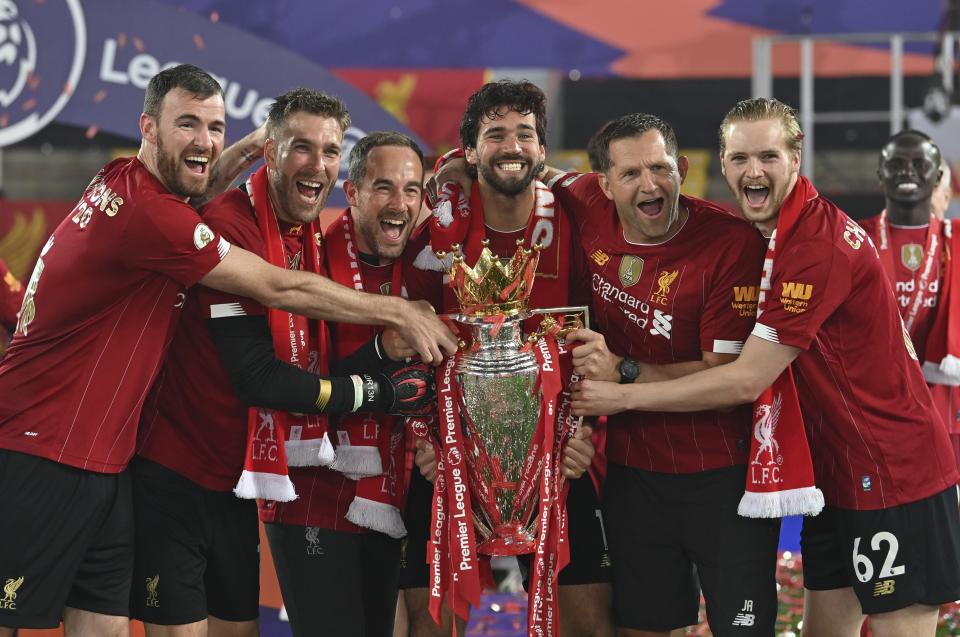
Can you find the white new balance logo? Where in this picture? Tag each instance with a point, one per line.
(744, 619)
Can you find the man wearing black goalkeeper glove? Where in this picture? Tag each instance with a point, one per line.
(337, 547)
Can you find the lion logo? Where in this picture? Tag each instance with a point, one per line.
(10, 589)
(152, 583)
(266, 422)
(664, 281)
(767, 418)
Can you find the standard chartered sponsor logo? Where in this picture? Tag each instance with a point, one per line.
(633, 308)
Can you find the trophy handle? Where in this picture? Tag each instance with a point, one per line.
(570, 309)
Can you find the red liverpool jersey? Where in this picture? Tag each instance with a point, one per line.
(561, 277)
(875, 437)
(668, 303)
(907, 244)
(193, 422)
(99, 312)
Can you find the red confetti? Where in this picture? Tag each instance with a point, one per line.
(138, 44)
(33, 81)
(198, 40)
(30, 104)
(67, 89)
(214, 16)
(122, 40)
(100, 96)
(92, 131)
(4, 119)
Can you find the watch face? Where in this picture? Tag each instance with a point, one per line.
(629, 370)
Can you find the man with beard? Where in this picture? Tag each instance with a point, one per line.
(337, 547)
(502, 134)
(887, 545)
(96, 319)
(913, 241)
(193, 534)
(672, 299)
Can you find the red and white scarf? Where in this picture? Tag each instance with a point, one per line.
(780, 478)
(941, 360)
(370, 447)
(276, 439)
(459, 221)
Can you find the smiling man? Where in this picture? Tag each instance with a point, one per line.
(913, 242)
(502, 133)
(672, 296)
(887, 544)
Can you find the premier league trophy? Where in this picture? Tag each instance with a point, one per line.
(500, 374)
(504, 415)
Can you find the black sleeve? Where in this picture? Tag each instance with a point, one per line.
(368, 358)
(246, 349)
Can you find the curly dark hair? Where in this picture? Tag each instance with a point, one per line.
(305, 100)
(631, 125)
(496, 99)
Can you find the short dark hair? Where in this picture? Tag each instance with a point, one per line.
(361, 150)
(496, 99)
(920, 136)
(623, 127)
(188, 77)
(305, 100)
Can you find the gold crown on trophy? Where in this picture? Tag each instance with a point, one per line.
(492, 286)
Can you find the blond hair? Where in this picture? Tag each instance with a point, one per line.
(761, 108)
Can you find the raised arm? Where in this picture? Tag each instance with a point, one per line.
(245, 274)
(234, 160)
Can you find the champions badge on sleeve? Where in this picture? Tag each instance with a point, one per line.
(504, 414)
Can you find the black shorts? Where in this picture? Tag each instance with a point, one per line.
(66, 540)
(674, 534)
(197, 551)
(336, 583)
(893, 558)
(589, 552)
(414, 572)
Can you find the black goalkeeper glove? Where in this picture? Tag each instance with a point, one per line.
(405, 389)
(413, 387)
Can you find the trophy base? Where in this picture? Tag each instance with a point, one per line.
(508, 539)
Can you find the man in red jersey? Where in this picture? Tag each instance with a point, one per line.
(337, 547)
(671, 299)
(888, 543)
(502, 134)
(913, 241)
(197, 546)
(11, 294)
(96, 319)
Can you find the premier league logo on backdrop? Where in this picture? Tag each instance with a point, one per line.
(42, 50)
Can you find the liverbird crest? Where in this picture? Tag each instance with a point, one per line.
(492, 286)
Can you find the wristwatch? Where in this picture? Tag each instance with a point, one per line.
(629, 370)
